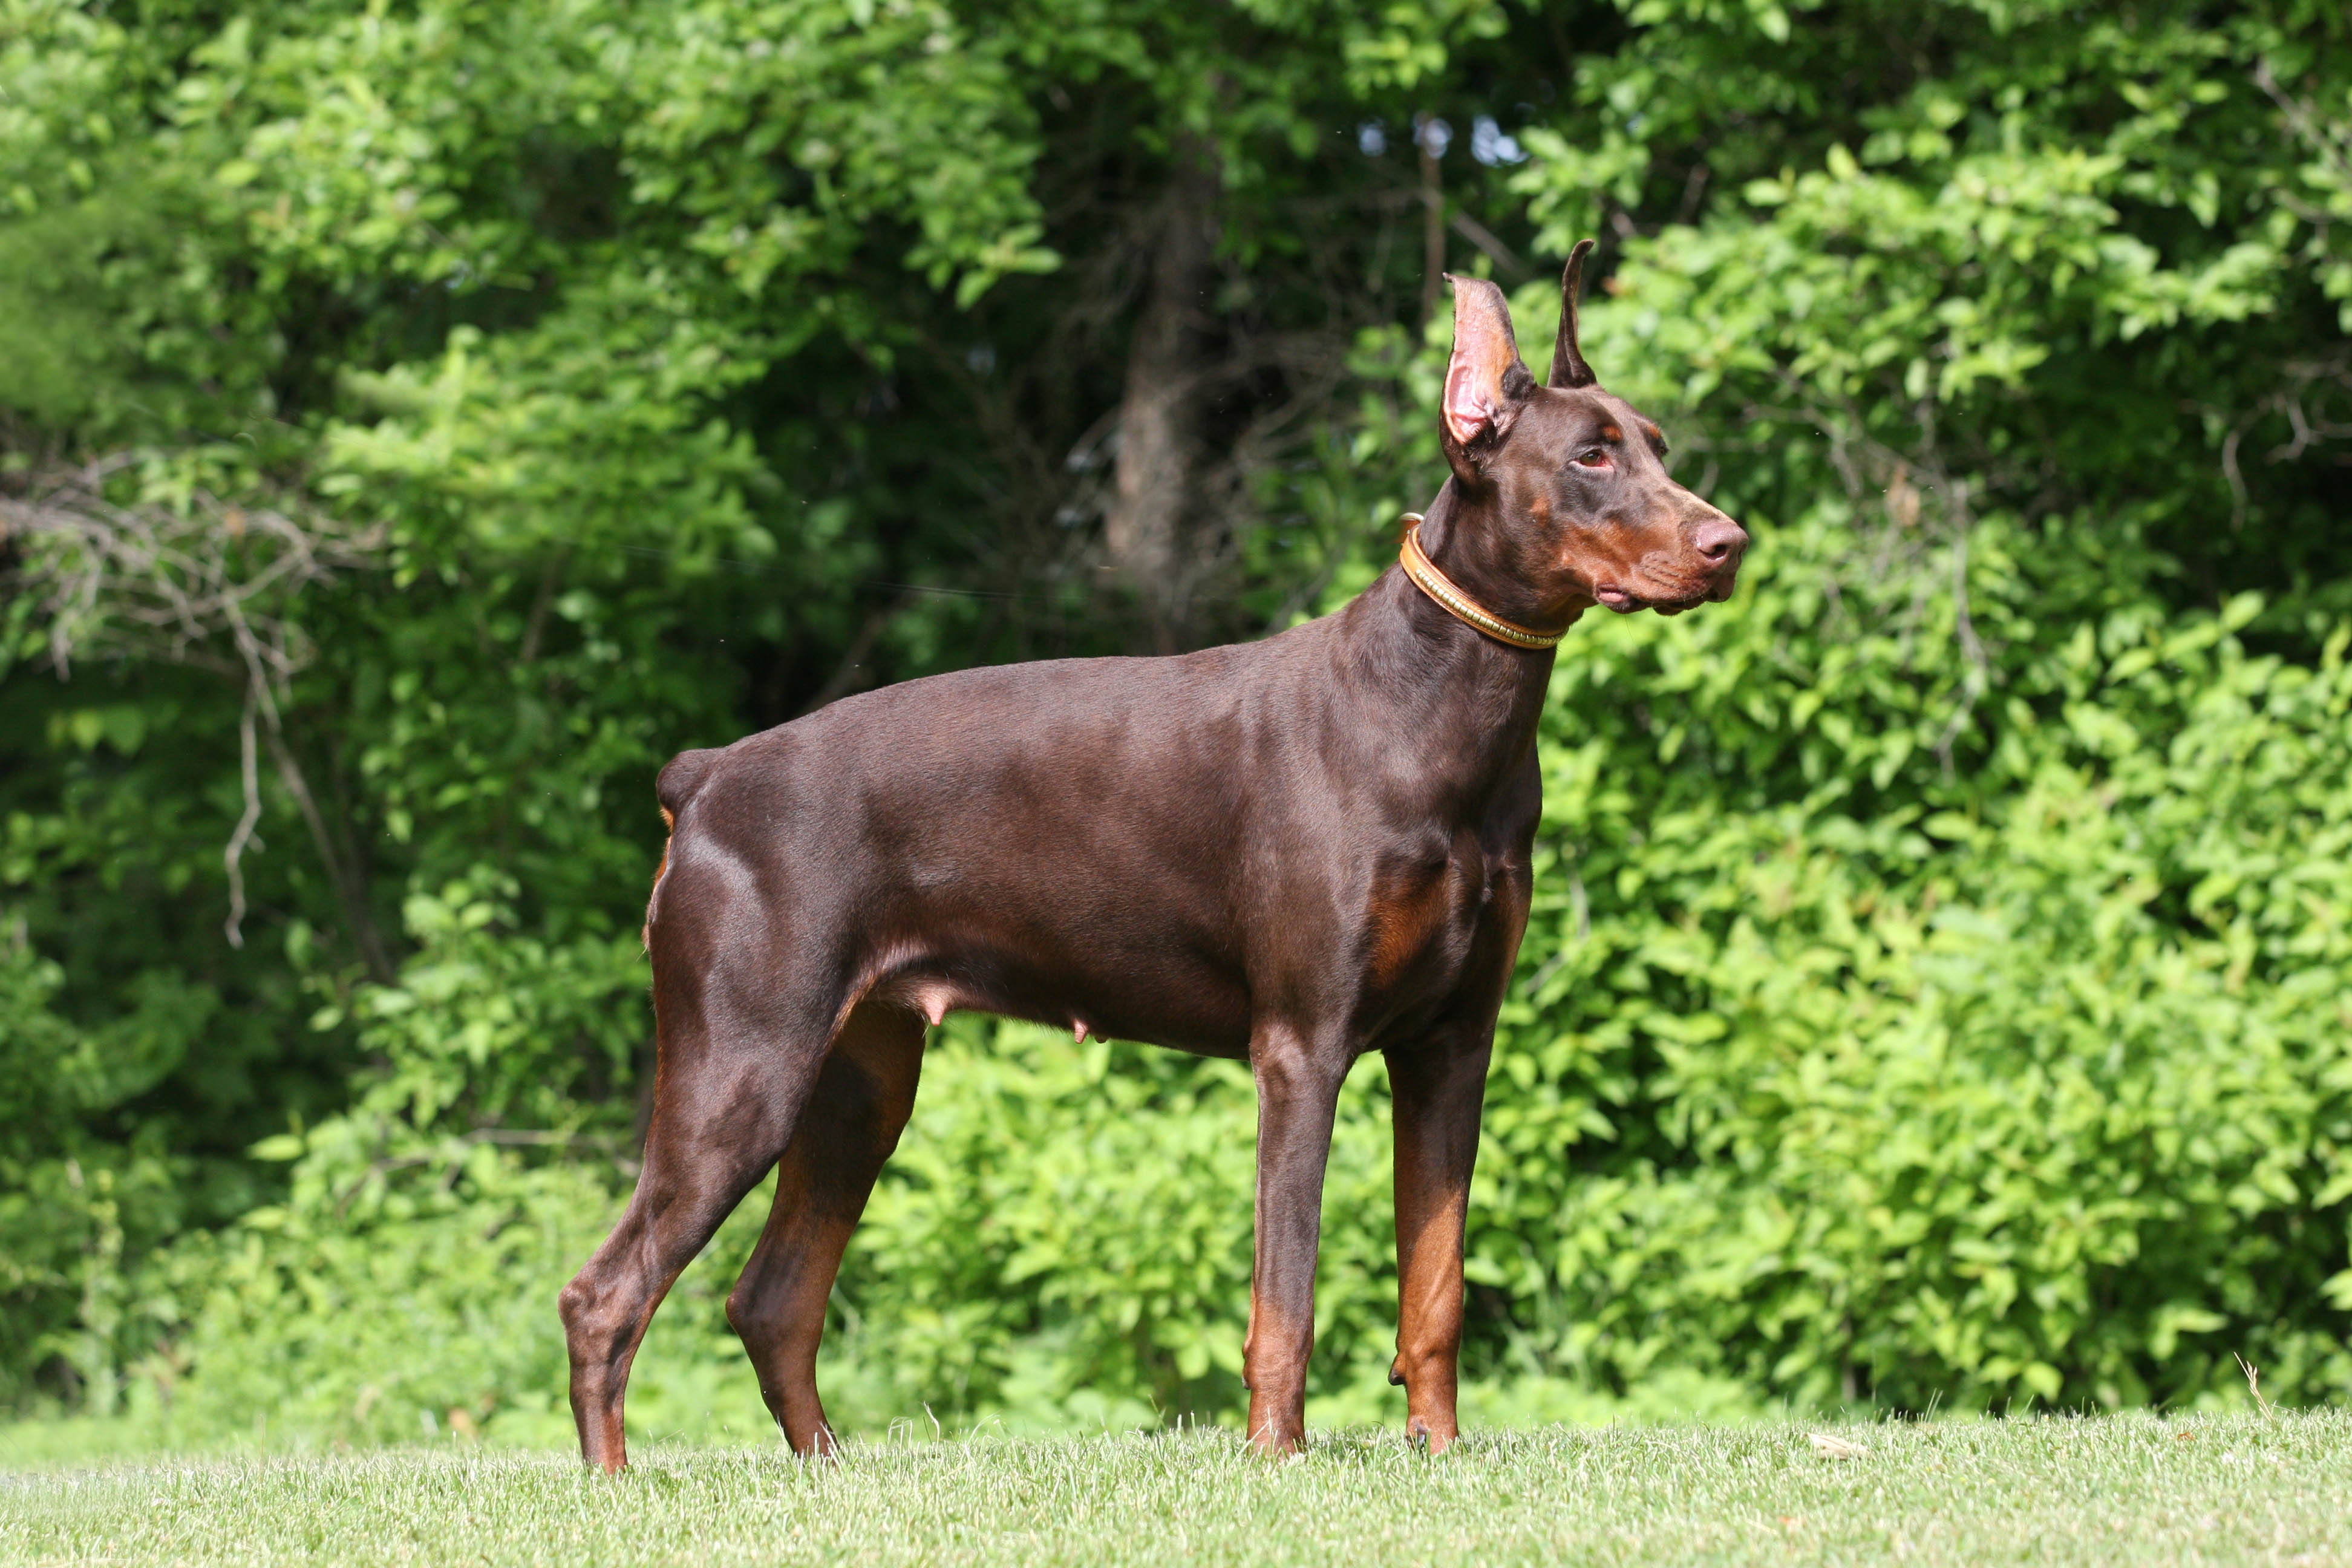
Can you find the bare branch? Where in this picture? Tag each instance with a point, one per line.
(209, 583)
(2332, 143)
(150, 580)
(234, 855)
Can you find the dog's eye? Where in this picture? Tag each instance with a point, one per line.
(1592, 457)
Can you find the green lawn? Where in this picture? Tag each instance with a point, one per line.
(2114, 1489)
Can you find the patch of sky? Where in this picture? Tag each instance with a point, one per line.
(1490, 144)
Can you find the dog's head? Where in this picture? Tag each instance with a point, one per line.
(1573, 478)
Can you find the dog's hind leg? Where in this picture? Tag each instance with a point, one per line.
(849, 1128)
(734, 1070)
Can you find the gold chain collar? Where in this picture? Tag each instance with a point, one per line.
(1454, 602)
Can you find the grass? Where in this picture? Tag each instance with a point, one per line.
(2236, 1489)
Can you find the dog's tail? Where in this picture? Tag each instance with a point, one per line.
(680, 779)
(674, 788)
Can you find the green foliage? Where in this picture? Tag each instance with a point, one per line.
(1934, 991)
(2029, 1086)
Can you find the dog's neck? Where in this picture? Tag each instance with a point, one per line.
(1452, 690)
(1468, 538)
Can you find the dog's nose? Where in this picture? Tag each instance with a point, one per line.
(1719, 537)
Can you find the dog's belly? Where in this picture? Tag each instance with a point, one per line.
(1175, 1001)
(1041, 892)
(1125, 953)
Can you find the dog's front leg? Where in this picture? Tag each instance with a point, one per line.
(1437, 1091)
(1298, 1091)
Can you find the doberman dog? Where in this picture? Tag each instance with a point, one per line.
(1288, 852)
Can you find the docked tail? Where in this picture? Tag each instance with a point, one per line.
(674, 788)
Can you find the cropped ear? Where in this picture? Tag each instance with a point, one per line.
(1568, 367)
(1485, 384)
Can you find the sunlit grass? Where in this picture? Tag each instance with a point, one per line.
(2236, 1489)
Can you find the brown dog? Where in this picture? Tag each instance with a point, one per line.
(1292, 851)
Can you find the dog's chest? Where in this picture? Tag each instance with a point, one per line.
(1422, 916)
